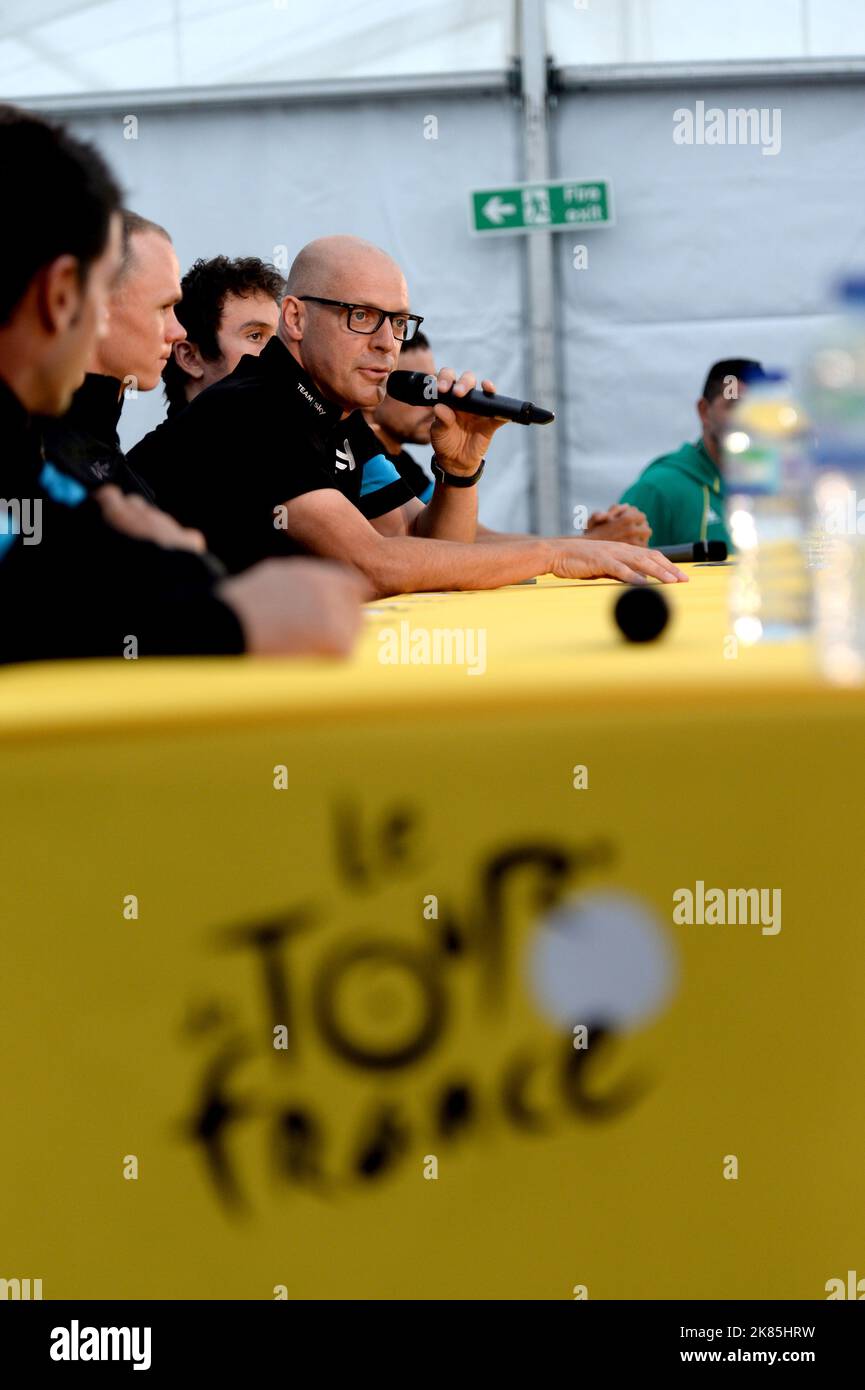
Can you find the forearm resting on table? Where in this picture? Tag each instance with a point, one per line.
(325, 524)
(405, 565)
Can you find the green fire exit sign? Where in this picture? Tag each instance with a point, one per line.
(531, 207)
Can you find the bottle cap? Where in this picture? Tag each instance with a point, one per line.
(852, 289)
(760, 376)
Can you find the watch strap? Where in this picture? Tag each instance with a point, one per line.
(456, 479)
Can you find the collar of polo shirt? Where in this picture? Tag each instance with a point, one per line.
(277, 361)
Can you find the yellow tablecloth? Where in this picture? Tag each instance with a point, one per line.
(293, 955)
(550, 642)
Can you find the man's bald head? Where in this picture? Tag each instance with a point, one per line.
(330, 263)
(349, 367)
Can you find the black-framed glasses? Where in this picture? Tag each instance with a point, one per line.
(363, 318)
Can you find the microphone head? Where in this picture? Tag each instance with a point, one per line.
(413, 388)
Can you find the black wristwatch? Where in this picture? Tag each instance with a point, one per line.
(456, 479)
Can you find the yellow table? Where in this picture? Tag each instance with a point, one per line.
(364, 980)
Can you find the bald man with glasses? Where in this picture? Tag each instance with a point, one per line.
(277, 457)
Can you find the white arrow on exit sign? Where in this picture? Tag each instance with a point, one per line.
(495, 210)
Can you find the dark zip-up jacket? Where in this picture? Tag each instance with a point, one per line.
(72, 586)
(84, 442)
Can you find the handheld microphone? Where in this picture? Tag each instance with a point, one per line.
(696, 552)
(419, 388)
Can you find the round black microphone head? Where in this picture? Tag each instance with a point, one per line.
(642, 613)
(414, 388)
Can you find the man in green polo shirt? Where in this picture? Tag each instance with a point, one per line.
(682, 494)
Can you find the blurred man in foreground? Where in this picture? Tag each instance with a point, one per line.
(682, 494)
(81, 576)
(279, 456)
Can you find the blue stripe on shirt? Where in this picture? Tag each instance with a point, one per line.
(60, 487)
(9, 529)
(378, 472)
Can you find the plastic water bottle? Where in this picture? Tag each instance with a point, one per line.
(835, 397)
(767, 473)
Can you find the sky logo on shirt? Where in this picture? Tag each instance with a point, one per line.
(344, 457)
(317, 405)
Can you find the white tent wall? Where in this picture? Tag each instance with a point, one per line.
(718, 251)
(263, 179)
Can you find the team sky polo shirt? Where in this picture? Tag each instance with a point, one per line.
(72, 586)
(253, 441)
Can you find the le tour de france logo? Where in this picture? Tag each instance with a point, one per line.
(334, 1044)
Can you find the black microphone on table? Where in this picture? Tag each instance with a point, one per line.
(420, 388)
(695, 552)
(642, 612)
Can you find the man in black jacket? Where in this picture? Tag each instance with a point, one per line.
(110, 576)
